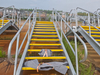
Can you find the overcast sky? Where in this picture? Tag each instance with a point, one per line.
(65, 5)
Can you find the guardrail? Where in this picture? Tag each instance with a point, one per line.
(75, 37)
(17, 36)
(13, 14)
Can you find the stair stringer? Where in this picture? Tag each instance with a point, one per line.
(7, 25)
(2, 29)
(71, 70)
(89, 39)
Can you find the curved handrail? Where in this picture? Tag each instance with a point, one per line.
(85, 47)
(12, 41)
(87, 11)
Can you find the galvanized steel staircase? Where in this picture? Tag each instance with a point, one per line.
(44, 37)
(92, 36)
(4, 22)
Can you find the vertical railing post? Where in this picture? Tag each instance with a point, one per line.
(94, 19)
(75, 38)
(16, 55)
(65, 24)
(13, 14)
(29, 27)
(61, 29)
(98, 19)
(89, 23)
(17, 20)
(53, 15)
(76, 18)
(76, 54)
(3, 17)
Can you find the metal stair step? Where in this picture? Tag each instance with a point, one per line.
(44, 39)
(95, 35)
(94, 32)
(29, 68)
(57, 57)
(45, 27)
(44, 35)
(45, 44)
(88, 27)
(44, 30)
(54, 50)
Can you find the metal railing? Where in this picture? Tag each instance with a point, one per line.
(88, 22)
(17, 36)
(13, 15)
(75, 37)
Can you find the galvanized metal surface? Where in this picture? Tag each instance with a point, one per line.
(17, 48)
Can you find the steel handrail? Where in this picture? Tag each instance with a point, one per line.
(87, 21)
(87, 11)
(90, 24)
(18, 49)
(10, 45)
(4, 15)
(85, 47)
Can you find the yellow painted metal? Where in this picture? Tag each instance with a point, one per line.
(97, 39)
(45, 44)
(44, 22)
(29, 68)
(95, 35)
(54, 50)
(91, 29)
(44, 30)
(59, 57)
(45, 39)
(4, 20)
(1, 24)
(45, 27)
(88, 27)
(45, 35)
(94, 32)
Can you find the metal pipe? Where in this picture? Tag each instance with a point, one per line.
(76, 55)
(16, 55)
(65, 52)
(61, 29)
(10, 44)
(85, 47)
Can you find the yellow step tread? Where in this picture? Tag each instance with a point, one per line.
(44, 30)
(45, 39)
(97, 39)
(88, 27)
(45, 35)
(95, 35)
(1, 24)
(59, 57)
(29, 68)
(54, 50)
(94, 32)
(45, 44)
(4, 20)
(44, 27)
(91, 29)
